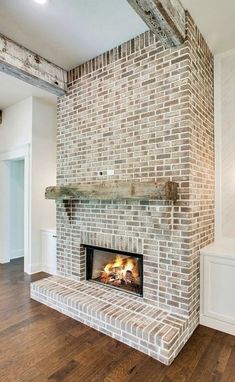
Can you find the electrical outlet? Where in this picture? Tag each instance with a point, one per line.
(110, 172)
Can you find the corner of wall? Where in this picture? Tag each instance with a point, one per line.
(218, 147)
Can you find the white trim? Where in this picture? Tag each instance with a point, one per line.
(17, 153)
(49, 230)
(17, 253)
(217, 324)
(49, 269)
(224, 249)
(4, 260)
(34, 268)
(214, 258)
(23, 152)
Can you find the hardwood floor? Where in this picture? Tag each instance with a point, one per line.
(39, 344)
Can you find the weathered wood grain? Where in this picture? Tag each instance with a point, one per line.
(165, 18)
(115, 190)
(25, 65)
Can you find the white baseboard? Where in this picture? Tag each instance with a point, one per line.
(33, 268)
(222, 326)
(36, 268)
(4, 261)
(16, 254)
(48, 269)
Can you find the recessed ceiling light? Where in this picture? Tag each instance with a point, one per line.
(41, 1)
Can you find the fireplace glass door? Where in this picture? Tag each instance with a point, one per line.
(116, 269)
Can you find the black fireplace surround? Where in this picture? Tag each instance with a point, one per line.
(116, 269)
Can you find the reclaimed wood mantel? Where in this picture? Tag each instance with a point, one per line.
(115, 190)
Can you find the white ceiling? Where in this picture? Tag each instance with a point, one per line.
(215, 19)
(13, 90)
(69, 32)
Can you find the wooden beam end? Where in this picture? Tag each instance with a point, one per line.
(165, 18)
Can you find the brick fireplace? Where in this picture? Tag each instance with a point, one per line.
(146, 113)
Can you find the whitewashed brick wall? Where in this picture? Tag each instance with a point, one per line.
(146, 113)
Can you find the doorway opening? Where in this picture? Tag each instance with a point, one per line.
(16, 212)
(15, 206)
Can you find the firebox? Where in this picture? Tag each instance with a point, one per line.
(117, 269)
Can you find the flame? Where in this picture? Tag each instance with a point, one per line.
(129, 265)
(118, 262)
(119, 268)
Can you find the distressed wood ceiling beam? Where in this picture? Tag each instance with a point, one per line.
(31, 68)
(115, 190)
(165, 18)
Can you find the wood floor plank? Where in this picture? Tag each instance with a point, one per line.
(228, 374)
(209, 359)
(64, 372)
(38, 344)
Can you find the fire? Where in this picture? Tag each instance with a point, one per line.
(121, 271)
(117, 264)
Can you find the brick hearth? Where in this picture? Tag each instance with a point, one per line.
(124, 317)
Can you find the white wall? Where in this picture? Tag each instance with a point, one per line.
(16, 127)
(218, 260)
(43, 172)
(16, 234)
(31, 122)
(225, 145)
(15, 132)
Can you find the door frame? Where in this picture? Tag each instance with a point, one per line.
(22, 152)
